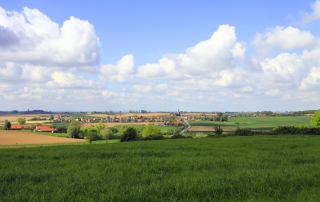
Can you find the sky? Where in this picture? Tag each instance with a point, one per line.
(161, 55)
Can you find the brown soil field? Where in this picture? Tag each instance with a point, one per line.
(17, 137)
(114, 124)
(12, 118)
(129, 114)
(208, 128)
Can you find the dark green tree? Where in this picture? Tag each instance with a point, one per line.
(7, 125)
(73, 131)
(129, 134)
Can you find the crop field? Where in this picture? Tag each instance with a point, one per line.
(256, 168)
(18, 137)
(13, 117)
(113, 124)
(256, 123)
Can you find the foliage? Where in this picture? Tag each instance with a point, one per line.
(109, 134)
(53, 125)
(21, 121)
(315, 120)
(242, 132)
(177, 136)
(92, 135)
(99, 127)
(6, 125)
(76, 123)
(62, 129)
(150, 130)
(73, 131)
(129, 134)
(218, 130)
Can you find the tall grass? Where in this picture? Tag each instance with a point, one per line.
(256, 168)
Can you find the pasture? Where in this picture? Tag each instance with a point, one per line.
(256, 168)
(254, 123)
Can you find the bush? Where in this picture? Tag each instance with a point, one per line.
(73, 131)
(129, 134)
(242, 132)
(218, 130)
(93, 136)
(177, 136)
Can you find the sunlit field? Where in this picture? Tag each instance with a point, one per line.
(256, 168)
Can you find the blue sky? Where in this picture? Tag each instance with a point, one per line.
(160, 55)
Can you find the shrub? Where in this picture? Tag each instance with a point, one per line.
(73, 131)
(218, 130)
(129, 134)
(242, 132)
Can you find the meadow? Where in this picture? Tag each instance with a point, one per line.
(257, 123)
(255, 168)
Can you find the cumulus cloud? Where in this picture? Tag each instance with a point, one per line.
(207, 59)
(121, 71)
(312, 16)
(69, 80)
(288, 38)
(31, 37)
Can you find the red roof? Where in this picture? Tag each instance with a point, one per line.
(45, 128)
(17, 127)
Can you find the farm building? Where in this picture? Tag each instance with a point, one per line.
(45, 128)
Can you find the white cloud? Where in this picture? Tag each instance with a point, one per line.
(68, 80)
(315, 15)
(312, 82)
(121, 71)
(205, 58)
(286, 70)
(31, 37)
(288, 38)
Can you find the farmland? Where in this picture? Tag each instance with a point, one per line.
(253, 123)
(258, 168)
(18, 137)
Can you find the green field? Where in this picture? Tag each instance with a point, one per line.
(257, 123)
(256, 168)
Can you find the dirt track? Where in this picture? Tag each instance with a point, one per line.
(17, 137)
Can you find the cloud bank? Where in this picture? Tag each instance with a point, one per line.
(41, 61)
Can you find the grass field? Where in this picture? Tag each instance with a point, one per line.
(257, 123)
(257, 168)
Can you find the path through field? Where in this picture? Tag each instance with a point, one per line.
(17, 137)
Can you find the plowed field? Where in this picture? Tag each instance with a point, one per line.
(17, 137)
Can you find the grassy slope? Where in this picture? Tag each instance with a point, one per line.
(257, 123)
(259, 168)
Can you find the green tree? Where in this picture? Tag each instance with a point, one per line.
(129, 134)
(315, 120)
(21, 121)
(99, 127)
(76, 123)
(73, 131)
(150, 130)
(218, 130)
(107, 134)
(7, 125)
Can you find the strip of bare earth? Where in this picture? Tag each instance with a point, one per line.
(17, 137)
